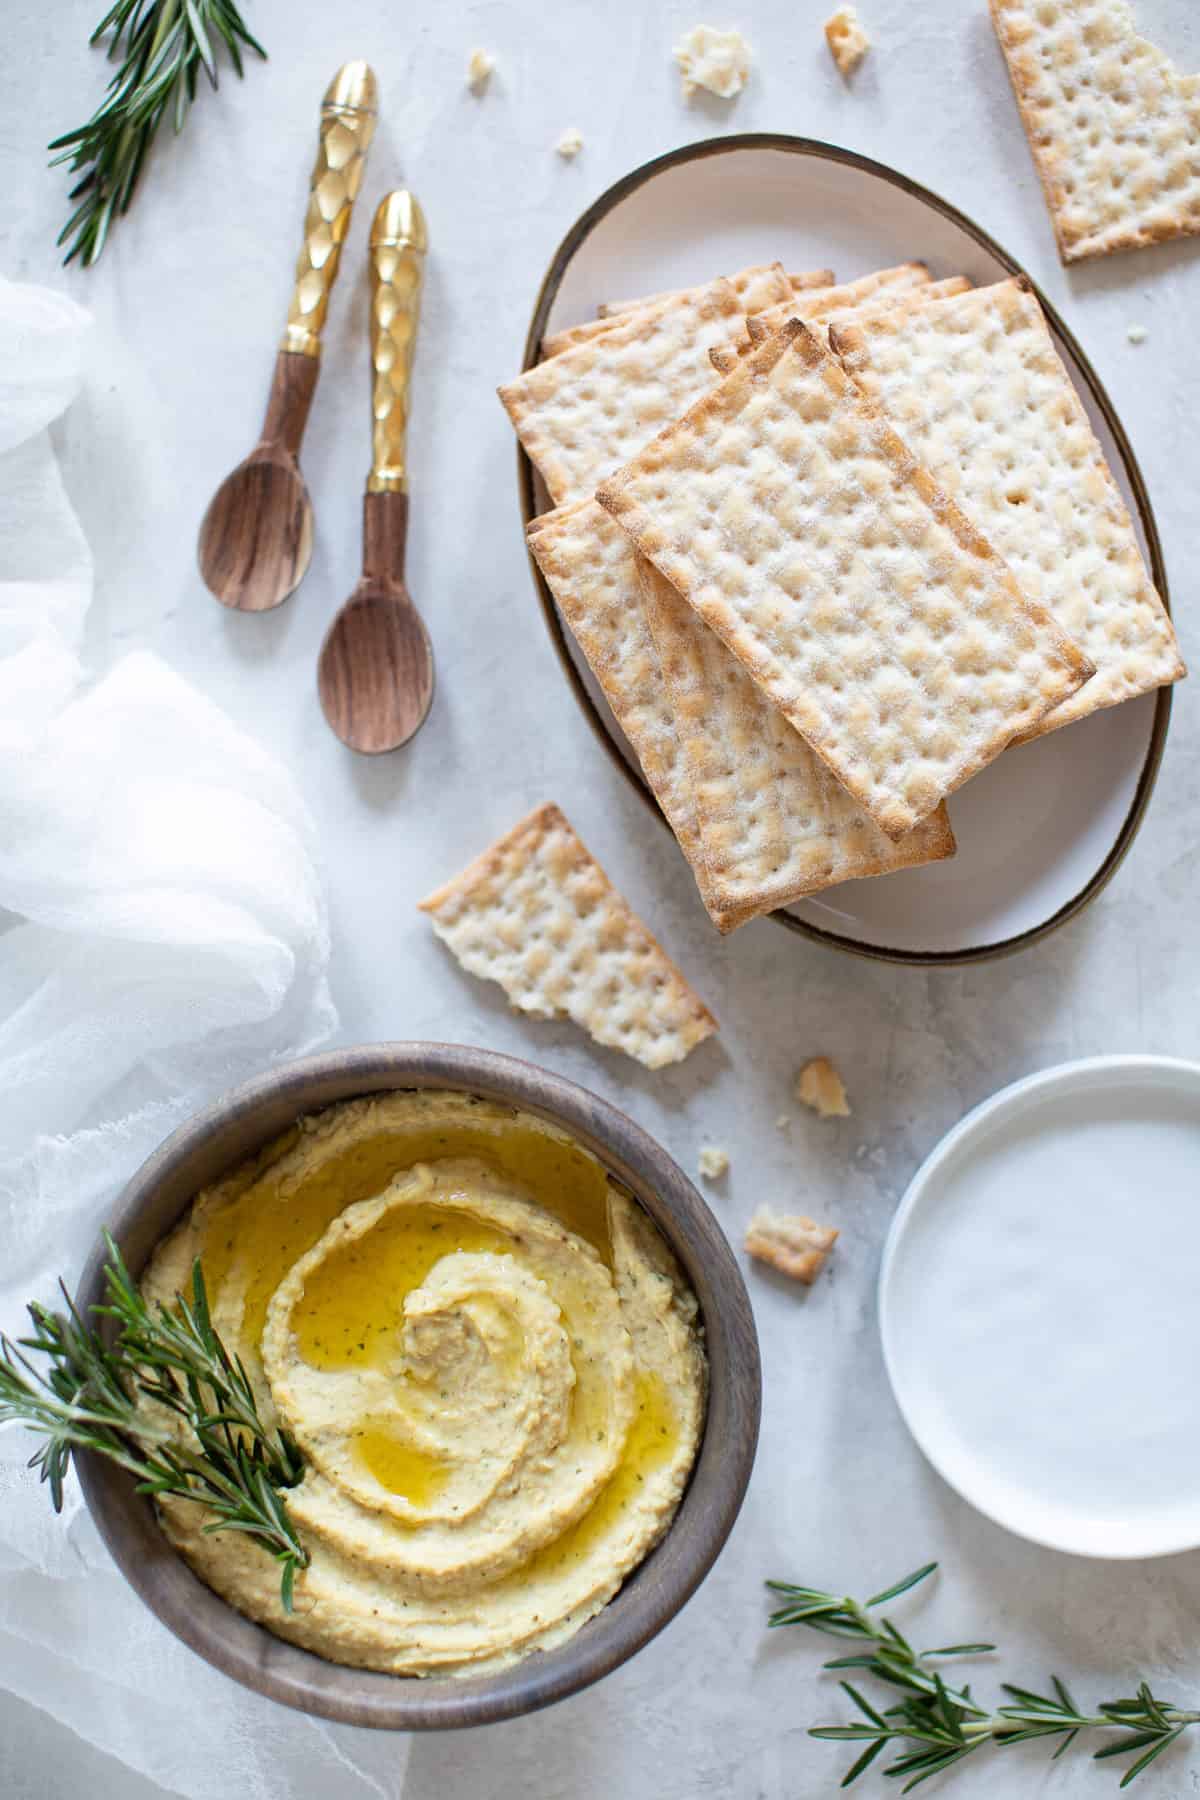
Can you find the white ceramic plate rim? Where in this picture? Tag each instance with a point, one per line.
(1109, 859)
(1010, 1100)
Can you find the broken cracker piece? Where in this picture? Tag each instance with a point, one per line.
(537, 914)
(570, 143)
(718, 61)
(820, 1086)
(1112, 123)
(712, 1163)
(795, 1245)
(847, 40)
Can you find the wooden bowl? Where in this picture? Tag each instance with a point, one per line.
(241, 1123)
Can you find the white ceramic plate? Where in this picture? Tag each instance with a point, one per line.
(1043, 828)
(1038, 1307)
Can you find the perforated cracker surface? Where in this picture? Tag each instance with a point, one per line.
(774, 822)
(978, 389)
(537, 914)
(590, 567)
(591, 408)
(1113, 125)
(801, 528)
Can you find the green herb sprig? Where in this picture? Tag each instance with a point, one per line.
(161, 47)
(936, 1725)
(93, 1396)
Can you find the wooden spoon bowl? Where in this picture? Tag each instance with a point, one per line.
(375, 671)
(256, 537)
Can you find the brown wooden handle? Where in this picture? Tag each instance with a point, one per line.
(292, 387)
(385, 534)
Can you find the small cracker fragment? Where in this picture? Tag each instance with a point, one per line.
(570, 143)
(761, 285)
(820, 1086)
(795, 1245)
(712, 1163)
(537, 914)
(718, 61)
(847, 40)
(480, 65)
(978, 389)
(587, 410)
(885, 628)
(1113, 125)
(1137, 334)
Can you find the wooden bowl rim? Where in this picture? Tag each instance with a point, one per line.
(210, 1144)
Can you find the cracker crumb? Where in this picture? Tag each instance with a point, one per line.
(713, 1163)
(795, 1245)
(783, 1121)
(847, 40)
(570, 143)
(480, 64)
(716, 60)
(820, 1086)
(1137, 334)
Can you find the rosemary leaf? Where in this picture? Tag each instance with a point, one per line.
(160, 47)
(88, 1395)
(935, 1726)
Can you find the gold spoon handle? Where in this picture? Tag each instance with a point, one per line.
(348, 115)
(398, 242)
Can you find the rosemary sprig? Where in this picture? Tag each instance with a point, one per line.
(935, 1725)
(92, 1396)
(161, 47)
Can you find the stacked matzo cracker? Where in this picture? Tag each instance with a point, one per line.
(823, 591)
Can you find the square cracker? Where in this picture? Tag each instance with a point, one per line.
(590, 567)
(799, 283)
(775, 824)
(978, 389)
(591, 408)
(537, 914)
(882, 624)
(761, 285)
(1113, 125)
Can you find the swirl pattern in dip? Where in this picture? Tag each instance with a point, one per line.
(489, 1358)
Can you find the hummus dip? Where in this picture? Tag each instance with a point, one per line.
(488, 1356)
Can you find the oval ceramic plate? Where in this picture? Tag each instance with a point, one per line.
(1042, 829)
(1037, 1305)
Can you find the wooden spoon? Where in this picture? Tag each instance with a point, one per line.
(375, 673)
(256, 537)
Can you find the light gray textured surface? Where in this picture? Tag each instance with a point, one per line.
(190, 299)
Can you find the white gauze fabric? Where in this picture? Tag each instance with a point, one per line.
(166, 936)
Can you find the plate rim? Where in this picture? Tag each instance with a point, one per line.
(1077, 1072)
(547, 293)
